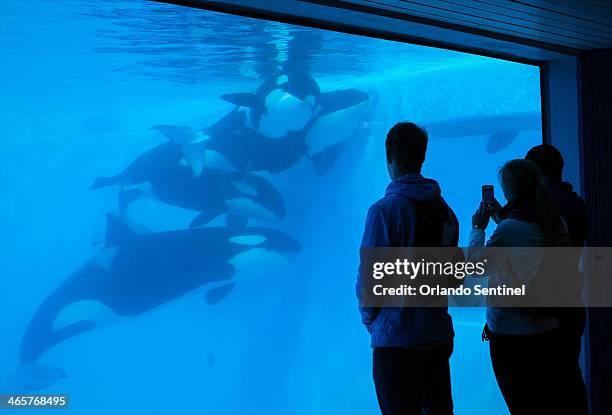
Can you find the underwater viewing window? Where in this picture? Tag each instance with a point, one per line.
(184, 197)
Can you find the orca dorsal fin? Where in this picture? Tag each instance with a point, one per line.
(117, 232)
(246, 99)
(499, 141)
(215, 295)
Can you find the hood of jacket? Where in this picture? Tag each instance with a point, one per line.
(414, 187)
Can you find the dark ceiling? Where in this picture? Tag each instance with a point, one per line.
(584, 24)
(529, 30)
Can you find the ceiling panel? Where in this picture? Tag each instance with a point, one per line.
(575, 24)
(460, 13)
(525, 30)
(529, 16)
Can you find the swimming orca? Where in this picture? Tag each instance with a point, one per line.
(501, 129)
(290, 100)
(212, 193)
(244, 148)
(287, 119)
(282, 103)
(135, 273)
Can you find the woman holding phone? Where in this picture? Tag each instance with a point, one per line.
(522, 343)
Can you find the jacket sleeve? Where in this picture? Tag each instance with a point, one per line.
(477, 237)
(499, 236)
(376, 234)
(477, 245)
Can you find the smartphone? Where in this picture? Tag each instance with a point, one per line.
(488, 194)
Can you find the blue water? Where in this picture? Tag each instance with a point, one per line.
(82, 83)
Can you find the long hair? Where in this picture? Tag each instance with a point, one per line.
(523, 181)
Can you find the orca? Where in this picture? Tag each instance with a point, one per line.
(244, 148)
(212, 193)
(135, 273)
(283, 102)
(501, 129)
(313, 128)
(291, 100)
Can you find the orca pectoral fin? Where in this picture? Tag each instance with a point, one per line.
(246, 99)
(105, 182)
(217, 294)
(207, 215)
(191, 143)
(195, 154)
(263, 192)
(500, 141)
(323, 160)
(340, 100)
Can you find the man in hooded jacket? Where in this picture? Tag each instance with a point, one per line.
(411, 346)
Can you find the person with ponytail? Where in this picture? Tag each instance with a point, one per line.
(524, 343)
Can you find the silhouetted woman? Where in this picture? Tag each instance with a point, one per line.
(524, 341)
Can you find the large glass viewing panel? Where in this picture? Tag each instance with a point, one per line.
(184, 193)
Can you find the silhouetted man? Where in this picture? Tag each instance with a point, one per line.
(571, 320)
(570, 205)
(412, 346)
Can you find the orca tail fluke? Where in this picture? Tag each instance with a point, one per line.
(32, 376)
(105, 182)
